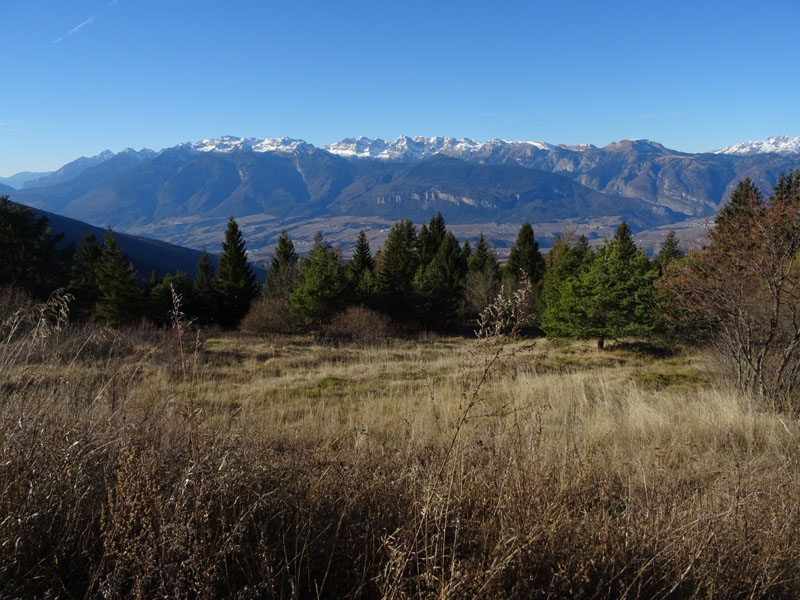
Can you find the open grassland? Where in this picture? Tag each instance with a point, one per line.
(172, 464)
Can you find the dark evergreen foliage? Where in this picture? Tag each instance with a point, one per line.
(670, 251)
(430, 238)
(438, 284)
(83, 277)
(284, 272)
(322, 292)
(525, 258)
(203, 307)
(236, 284)
(360, 272)
(608, 297)
(399, 263)
(160, 302)
(120, 300)
(29, 256)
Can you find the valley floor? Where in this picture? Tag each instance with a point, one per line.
(149, 463)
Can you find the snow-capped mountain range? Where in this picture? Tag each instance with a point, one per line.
(779, 144)
(181, 194)
(406, 148)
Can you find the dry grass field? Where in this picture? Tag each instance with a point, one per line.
(177, 463)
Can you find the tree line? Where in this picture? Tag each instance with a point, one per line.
(421, 277)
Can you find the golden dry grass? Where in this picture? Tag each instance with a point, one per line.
(164, 464)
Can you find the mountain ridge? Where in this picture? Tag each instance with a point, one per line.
(181, 193)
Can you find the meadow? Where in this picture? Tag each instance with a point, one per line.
(188, 463)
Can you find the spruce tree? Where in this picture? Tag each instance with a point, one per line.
(429, 238)
(284, 272)
(438, 284)
(483, 258)
(204, 295)
(670, 251)
(399, 262)
(361, 272)
(525, 258)
(482, 281)
(322, 292)
(29, 254)
(160, 303)
(236, 284)
(83, 277)
(609, 297)
(119, 301)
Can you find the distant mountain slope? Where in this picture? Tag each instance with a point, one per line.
(272, 183)
(147, 255)
(17, 180)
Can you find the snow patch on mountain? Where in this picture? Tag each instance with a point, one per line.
(407, 148)
(779, 144)
(229, 143)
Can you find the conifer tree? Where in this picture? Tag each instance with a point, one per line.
(483, 258)
(525, 258)
(29, 256)
(429, 238)
(160, 303)
(119, 301)
(564, 261)
(438, 284)
(399, 262)
(740, 208)
(284, 271)
(609, 297)
(361, 272)
(322, 292)
(204, 296)
(236, 284)
(670, 251)
(83, 277)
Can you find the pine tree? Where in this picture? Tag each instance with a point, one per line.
(322, 292)
(29, 256)
(83, 277)
(236, 284)
(398, 265)
(608, 297)
(204, 295)
(482, 281)
(483, 258)
(438, 285)
(525, 258)
(160, 303)
(429, 238)
(119, 301)
(745, 199)
(361, 272)
(284, 272)
(564, 262)
(670, 251)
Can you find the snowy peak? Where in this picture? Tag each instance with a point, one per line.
(229, 143)
(779, 144)
(409, 149)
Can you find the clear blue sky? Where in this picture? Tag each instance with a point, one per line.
(85, 75)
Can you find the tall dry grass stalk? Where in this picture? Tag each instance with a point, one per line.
(149, 464)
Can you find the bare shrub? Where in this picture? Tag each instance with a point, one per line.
(14, 300)
(269, 314)
(359, 325)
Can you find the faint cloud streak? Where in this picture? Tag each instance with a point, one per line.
(80, 26)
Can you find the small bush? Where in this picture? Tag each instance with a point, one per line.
(359, 325)
(269, 315)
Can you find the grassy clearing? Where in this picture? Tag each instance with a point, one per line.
(148, 465)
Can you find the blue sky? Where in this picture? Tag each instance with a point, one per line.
(86, 75)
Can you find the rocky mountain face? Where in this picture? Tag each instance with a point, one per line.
(182, 193)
